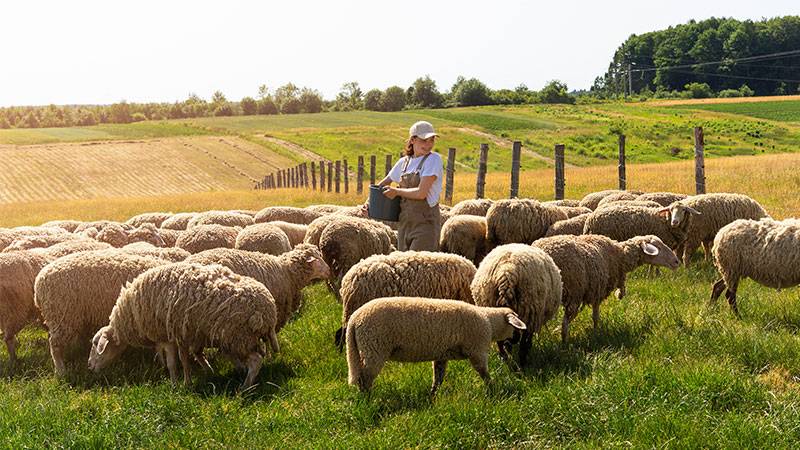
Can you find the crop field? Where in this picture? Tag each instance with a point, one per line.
(781, 111)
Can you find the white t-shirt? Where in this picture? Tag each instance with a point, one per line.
(432, 167)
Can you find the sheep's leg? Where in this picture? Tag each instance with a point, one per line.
(11, 345)
(525, 347)
(569, 315)
(621, 290)
(186, 362)
(502, 350)
(253, 367)
(57, 353)
(707, 250)
(689, 248)
(439, 368)
(170, 352)
(480, 362)
(731, 296)
(201, 359)
(716, 290)
(595, 316)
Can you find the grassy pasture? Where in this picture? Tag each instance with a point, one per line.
(781, 111)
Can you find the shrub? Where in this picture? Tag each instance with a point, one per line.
(291, 106)
(555, 92)
(471, 92)
(138, 117)
(372, 100)
(267, 106)
(223, 110)
(393, 99)
(729, 93)
(311, 101)
(746, 91)
(249, 106)
(699, 90)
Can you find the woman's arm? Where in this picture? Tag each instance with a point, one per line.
(386, 181)
(418, 193)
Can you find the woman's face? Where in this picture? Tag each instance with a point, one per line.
(424, 145)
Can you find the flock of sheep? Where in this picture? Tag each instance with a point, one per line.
(183, 283)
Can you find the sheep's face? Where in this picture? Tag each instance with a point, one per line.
(147, 233)
(510, 332)
(319, 268)
(657, 253)
(679, 214)
(104, 349)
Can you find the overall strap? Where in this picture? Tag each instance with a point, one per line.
(405, 166)
(419, 166)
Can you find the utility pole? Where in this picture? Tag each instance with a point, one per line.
(630, 80)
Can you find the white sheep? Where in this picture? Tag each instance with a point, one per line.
(205, 237)
(224, 218)
(465, 235)
(520, 221)
(264, 238)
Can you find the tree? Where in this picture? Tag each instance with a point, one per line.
(699, 90)
(223, 110)
(393, 99)
(311, 100)
(249, 106)
(263, 92)
(471, 92)
(746, 91)
(4, 123)
(30, 120)
(350, 97)
(218, 98)
(267, 106)
(425, 94)
(555, 92)
(372, 100)
(284, 94)
(120, 112)
(291, 106)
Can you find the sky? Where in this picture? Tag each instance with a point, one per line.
(101, 52)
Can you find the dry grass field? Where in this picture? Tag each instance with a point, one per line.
(710, 101)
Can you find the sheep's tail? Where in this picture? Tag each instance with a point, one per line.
(353, 357)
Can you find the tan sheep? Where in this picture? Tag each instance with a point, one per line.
(155, 218)
(263, 238)
(66, 225)
(179, 221)
(118, 236)
(287, 214)
(615, 197)
(206, 237)
(472, 207)
(171, 254)
(662, 198)
(294, 231)
(520, 221)
(621, 222)
(573, 226)
(465, 235)
(224, 218)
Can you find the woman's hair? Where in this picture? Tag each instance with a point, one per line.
(408, 150)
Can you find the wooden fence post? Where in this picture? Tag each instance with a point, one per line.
(322, 175)
(481, 181)
(346, 181)
(448, 190)
(313, 176)
(330, 176)
(623, 182)
(516, 149)
(388, 164)
(360, 175)
(280, 182)
(338, 174)
(699, 161)
(559, 158)
(372, 165)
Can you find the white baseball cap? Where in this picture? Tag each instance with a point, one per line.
(422, 130)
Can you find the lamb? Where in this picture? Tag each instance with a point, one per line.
(179, 221)
(420, 274)
(420, 329)
(287, 214)
(615, 197)
(715, 211)
(205, 237)
(264, 238)
(76, 293)
(66, 225)
(767, 251)
(465, 235)
(294, 231)
(118, 236)
(573, 226)
(472, 207)
(155, 218)
(519, 221)
(522, 278)
(593, 265)
(662, 198)
(188, 307)
(345, 243)
(224, 218)
(622, 222)
(171, 254)
(285, 276)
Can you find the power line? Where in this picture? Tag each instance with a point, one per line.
(735, 76)
(725, 61)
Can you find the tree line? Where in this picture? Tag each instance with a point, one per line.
(714, 57)
(286, 99)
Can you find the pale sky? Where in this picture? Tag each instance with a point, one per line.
(100, 52)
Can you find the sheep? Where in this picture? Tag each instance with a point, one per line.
(622, 222)
(592, 199)
(662, 198)
(412, 329)
(287, 214)
(118, 236)
(156, 218)
(615, 197)
(715, 211)
(522, 278)
(99, 225)
(345, 243)
(419, 274)
(76, 293)
(185, 308)
(474, 207)
(465, 235)
(573, 226)
(246, 212)
(179, 221)
(565, 202)
(171, 254)
(224, 218)
(264, 238)
(573, 211)
(519, 221)
(9, 235)
(295, 232)
(325, 209)
(205, 237)
(27, 243)
(593, 265)
(72, 246)
(66, 225)
(315, 228)
(169, 236)
(642, 203)
(285, 275)
(767, 251)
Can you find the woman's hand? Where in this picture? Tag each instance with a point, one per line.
(390, 192)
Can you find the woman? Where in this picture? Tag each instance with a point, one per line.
(419, 176)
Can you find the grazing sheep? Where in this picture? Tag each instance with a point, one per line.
(715, 211)
(99, 225)
(592, 199)
(246, 212)
(414, 274)
(74, 246)
(472, 207)
(118, 236)
(465, 235)
(615, 197)
(77, 292)
(520, 221)
(179, 221)
(412, 329)
(155, 218)
(294, 231)
(767, 251)
(566, 202)
(662, 198)
(622, 222)
(315, 228)
(522, 278)
(205, 237)
(224, 218)
(9, 235)
(188, 307)
(171, 254)
(287, 214)
(285, 276)
(345, 243)
(264, 238)
(573, 226)
(66, 225)
(169, 236)
(574, 211)
(642, 203)
(325, 209)
(592, 266)
(29, 242)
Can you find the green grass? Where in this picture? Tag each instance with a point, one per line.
(664, 369)
(138, 130)
(781, 111)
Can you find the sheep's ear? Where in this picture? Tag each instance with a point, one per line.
(649, 249)
(694, 211)
(664, 212)
(514, 321)
(101, 344)
(310, 259)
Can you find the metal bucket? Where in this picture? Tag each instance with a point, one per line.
(380, 207)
